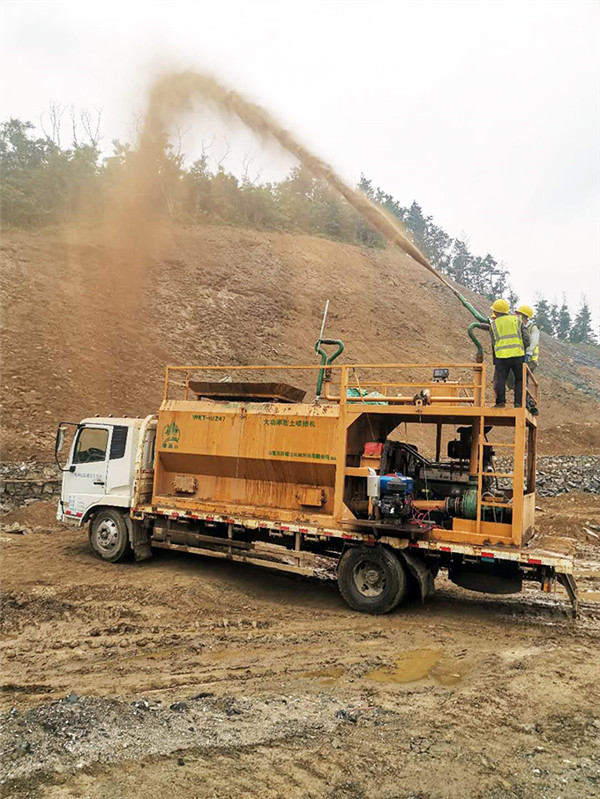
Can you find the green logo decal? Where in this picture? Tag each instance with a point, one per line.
(171, 435)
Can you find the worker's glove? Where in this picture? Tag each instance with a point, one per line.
(527, 358)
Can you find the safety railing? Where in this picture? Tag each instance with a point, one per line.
(355, 389)
(356, 384)
(531, 389)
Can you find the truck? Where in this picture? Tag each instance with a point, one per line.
(391, 474)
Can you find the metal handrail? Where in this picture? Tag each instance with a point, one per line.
(476, 367)
(529, 379)
(477, 398)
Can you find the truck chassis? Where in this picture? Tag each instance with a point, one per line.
(302, 549)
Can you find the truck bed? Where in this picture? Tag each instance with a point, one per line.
(286, 547)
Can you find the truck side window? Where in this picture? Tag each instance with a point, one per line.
(118, 442)
(91, 445)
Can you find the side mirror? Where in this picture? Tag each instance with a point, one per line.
(60, 440)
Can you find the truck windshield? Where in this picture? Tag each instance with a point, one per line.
(91, 445)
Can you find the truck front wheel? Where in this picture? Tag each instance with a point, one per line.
(371, 579)
(108, 535)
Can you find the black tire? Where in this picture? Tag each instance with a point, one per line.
(109, 536)
(371, 579)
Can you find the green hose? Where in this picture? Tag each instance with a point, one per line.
(475, 340)
(477, 314)
(326, 360)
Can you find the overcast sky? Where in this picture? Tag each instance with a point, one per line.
(486, 113)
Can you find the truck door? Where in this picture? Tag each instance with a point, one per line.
(85, 480)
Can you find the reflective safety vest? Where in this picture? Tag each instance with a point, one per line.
(508, 336)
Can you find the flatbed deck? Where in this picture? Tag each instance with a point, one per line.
(528, 557)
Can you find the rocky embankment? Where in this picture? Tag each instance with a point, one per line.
(22, 483)
(559, 474)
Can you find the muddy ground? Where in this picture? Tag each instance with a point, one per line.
(192, 677)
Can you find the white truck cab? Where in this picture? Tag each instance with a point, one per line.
(106, 456)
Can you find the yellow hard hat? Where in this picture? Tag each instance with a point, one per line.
(500, 306)
(526, 310)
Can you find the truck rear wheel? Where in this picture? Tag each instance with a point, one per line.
(108, 535)
(371, 579)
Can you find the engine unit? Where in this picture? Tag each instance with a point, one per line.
(391, 495)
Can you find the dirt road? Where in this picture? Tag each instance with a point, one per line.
(195, 677)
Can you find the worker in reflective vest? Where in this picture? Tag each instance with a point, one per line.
(509, 351)
(531, 339)
(532, 351)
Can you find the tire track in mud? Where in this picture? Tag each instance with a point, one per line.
(217, 658)
(520, 673)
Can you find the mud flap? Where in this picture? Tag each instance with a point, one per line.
(420, 572)
(570, 586)
(138, 538)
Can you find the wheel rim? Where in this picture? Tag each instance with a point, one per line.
(369, 578)
(107, 536)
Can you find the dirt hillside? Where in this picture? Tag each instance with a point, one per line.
(85, 333)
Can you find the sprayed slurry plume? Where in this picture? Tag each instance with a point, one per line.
(176, 93)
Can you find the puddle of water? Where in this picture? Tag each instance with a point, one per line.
(417, 665)
(327, 676)
(590, 596)
(410, 667)
(447, 672)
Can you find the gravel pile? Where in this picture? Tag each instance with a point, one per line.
(560, 474)
(76, 732)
